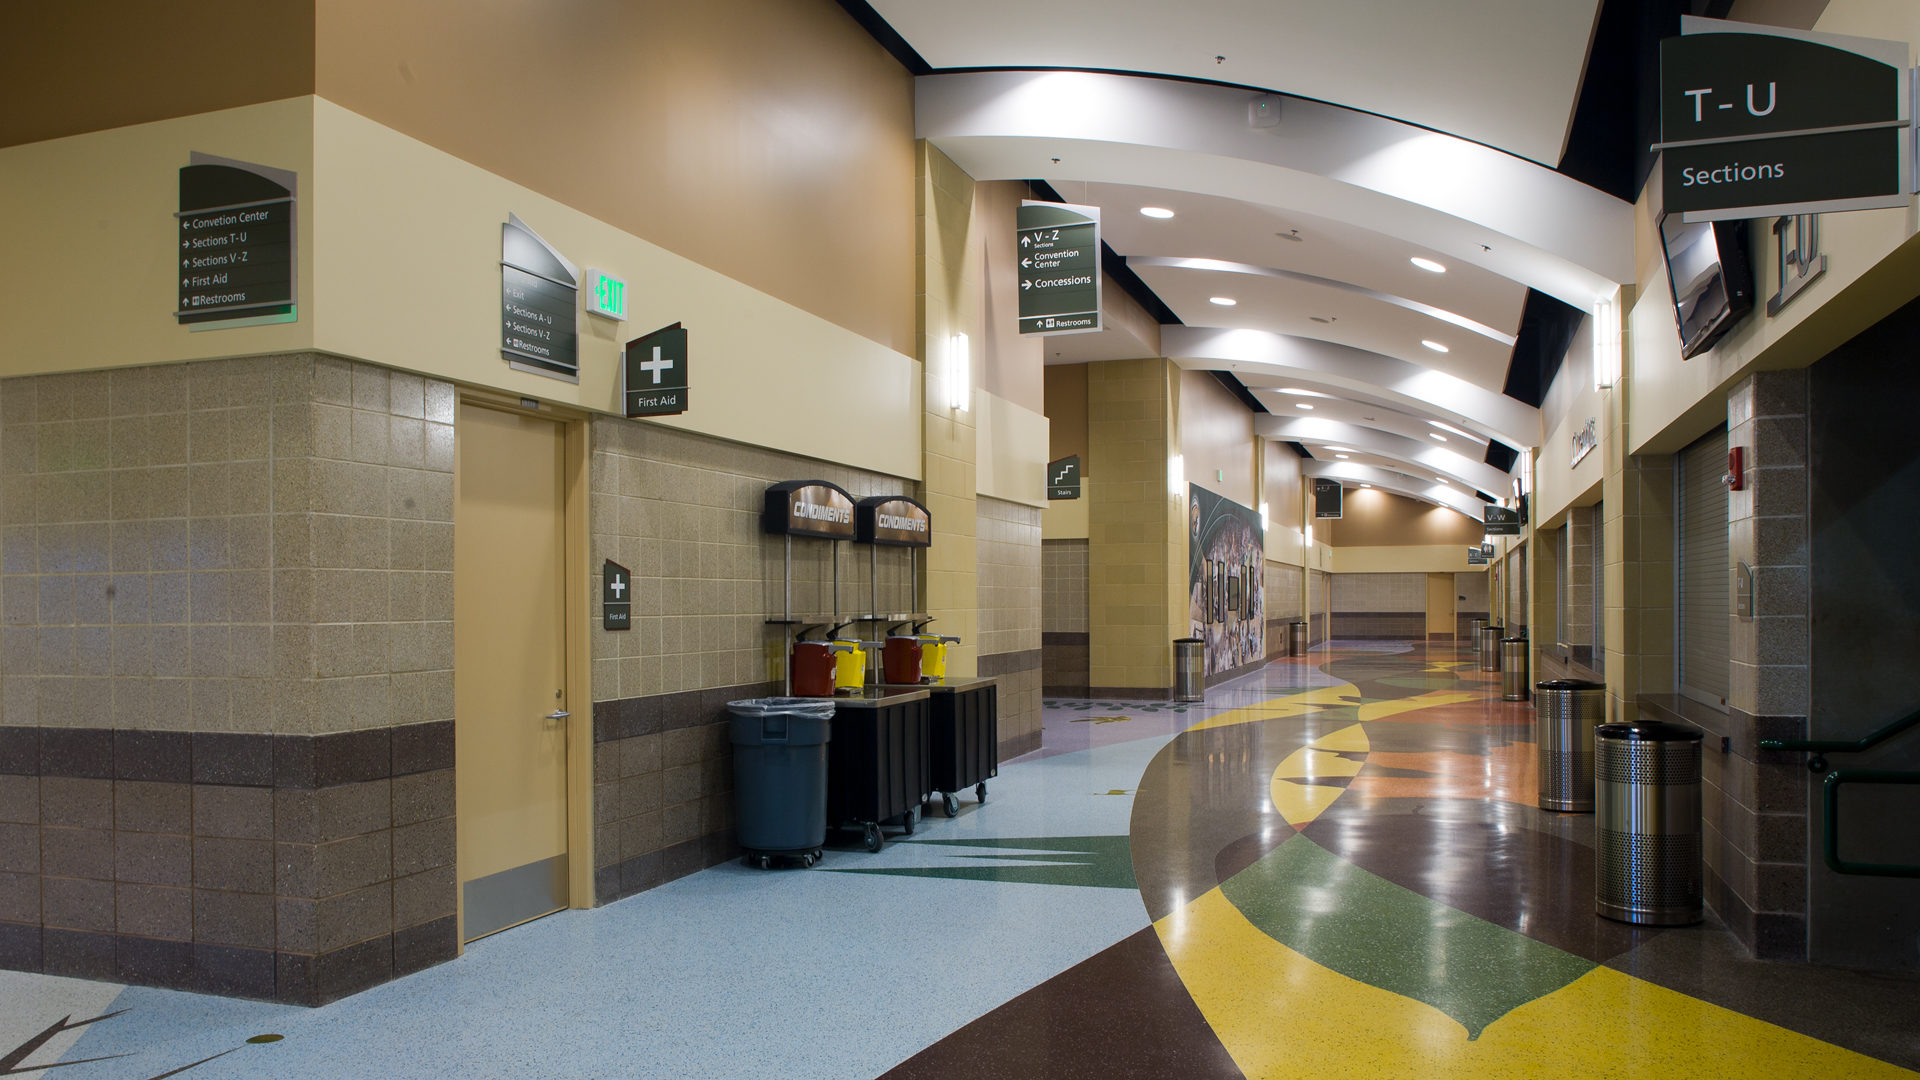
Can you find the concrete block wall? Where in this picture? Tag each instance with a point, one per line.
(1063, 616)
(226, 692)
(1009, 560)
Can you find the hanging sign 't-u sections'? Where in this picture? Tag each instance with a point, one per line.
(1058, 250)
(1759, 121)
(539, 293)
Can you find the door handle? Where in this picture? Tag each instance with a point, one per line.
(558, 714)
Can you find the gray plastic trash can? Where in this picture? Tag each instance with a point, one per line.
(1189, 669)
(1647, 857)
(780, 776)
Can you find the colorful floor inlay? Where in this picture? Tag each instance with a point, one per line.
(1332, 867)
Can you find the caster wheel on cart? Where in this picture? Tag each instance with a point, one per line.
(951, 803)
(806, 861)
(766, 863)
(907, 820)
(980, 791)
(873, 838)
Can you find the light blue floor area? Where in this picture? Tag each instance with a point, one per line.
(732, 972)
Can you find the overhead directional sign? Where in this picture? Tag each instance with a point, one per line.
(1501, 521)
(1063, 478)
(236, 244)
(1058, 250)
(539, 293)
(1758, 121)
(654, 373)
(1327, 497)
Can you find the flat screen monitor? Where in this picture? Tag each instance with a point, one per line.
(1712, 282)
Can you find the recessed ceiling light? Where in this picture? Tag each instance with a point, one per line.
(1348, 449)
(1449, 427)
(1441, 479)
(1342, 457)
(1428, 265)
(1223, 301)
(1298, 392)
(1160, 212)
(1434, 345)
(1436, 437)
(1366, 485)
(1303, 405)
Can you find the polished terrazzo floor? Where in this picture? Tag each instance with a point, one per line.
(1331, 867)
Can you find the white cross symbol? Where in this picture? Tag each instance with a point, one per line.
(619, 587)
(656, 365)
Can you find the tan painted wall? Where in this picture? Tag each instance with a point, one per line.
(72, 68)
(1216, 438)
(399, 265)
(771, 140)
(1376, 518)
(1066, 397)
(1402, 559)
(1010, 364)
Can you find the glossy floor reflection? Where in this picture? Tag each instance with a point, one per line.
(1331, 867)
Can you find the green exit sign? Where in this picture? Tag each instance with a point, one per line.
(606, 296)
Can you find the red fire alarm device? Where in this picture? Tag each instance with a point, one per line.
(1736, 478)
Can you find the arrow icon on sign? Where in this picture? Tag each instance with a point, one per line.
(1025, 285)
(1024, 263)
(1026, 241)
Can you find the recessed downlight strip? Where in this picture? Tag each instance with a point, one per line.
(1169, 262)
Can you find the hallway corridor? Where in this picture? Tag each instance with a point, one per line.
(1332, 867)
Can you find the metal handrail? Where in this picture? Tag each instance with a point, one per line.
(1835, 781)
(1821, 747)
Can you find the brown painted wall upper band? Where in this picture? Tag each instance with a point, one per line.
(66, 69)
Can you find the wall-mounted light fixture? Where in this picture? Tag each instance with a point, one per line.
(959, 374)
(1176, 475)
(1606, 344)
(1265, 524)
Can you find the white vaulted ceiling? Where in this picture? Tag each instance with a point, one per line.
(1405, 129)
(1500, 72)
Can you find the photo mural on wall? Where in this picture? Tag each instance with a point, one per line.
(1226, 579)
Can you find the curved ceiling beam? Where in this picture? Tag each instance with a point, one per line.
(1511, 216)
(1224, 267)
(1477, 475)
(1385, 418)
(1398, 483)
(1256, 355)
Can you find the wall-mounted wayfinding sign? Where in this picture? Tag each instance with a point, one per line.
(538, 297)
(808, 508)
(1758, 121)
(1063, 478)
(653, 374)
(1327, 497)
(616, 597)
(893, 520)
(1476, 556)
(1500, 521)
(1058, 251)
(237, 253)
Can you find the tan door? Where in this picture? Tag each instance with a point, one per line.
(1440, 607)
(509, 669)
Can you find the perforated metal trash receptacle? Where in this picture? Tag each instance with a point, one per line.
(1490, 647)
(1189, 669)
(1565, 713)
(1513, 669)
(1647, 867)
